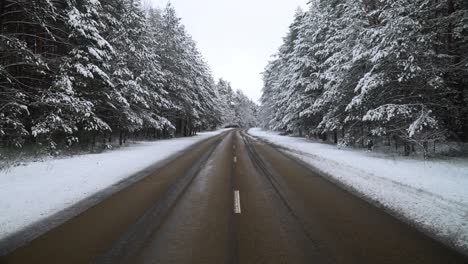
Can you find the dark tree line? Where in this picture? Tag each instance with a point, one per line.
(372, 71)
(78, 72)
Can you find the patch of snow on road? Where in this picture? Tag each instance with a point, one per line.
(433, 194)
(38, 190)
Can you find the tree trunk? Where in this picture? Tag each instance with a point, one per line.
(407, 149)
(182, 126)
(426, 146)
(460, 84)
(93, 142)
(2, 10)
(324, 137)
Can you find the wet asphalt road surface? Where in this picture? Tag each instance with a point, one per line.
(234, 199)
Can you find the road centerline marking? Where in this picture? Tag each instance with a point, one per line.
(237, 206)
(235, 159)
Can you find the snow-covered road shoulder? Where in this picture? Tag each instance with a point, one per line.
(432, 195)
(38, 190)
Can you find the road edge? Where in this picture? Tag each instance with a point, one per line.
(29, 233)
(373, 202)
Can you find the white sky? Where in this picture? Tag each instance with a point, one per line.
(237, 37)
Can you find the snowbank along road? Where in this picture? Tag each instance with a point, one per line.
(233, 199)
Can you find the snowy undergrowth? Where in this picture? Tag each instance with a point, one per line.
(37, 190)
(36, 153)
(432, 194)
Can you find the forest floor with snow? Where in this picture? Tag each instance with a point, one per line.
(429, 194)
(37, 190)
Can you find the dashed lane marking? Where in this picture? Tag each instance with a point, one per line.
(237, 206)
(235, 159)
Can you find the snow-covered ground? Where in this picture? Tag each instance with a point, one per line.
(433, 194)
(38, 190)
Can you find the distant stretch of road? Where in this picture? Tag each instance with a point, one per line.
(234, 199)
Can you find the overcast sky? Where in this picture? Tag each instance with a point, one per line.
(237, 37)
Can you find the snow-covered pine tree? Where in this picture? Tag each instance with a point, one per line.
(82, 85)
(341, 57)
(245, 110)
(450, 19)
(294, 77)
(138, 96)
(188, 79)
(372, 71)
(78, 70)
(236, 108)
(29, 43)
(270, 94)
(226, 102)
(402, 95)
(205, 113)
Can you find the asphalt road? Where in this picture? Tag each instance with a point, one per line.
(234, 199)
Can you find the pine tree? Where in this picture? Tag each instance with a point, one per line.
(29, 42)
(236, 108)
(79, 71)
(371, 70)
